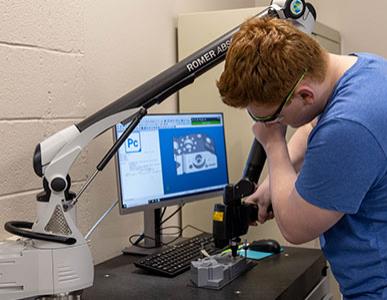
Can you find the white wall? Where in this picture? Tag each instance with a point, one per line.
(42, 89)
(363, 28)
(63, 60)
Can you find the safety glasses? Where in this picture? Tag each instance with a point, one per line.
(276, 115)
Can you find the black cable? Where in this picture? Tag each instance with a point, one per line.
(163, 212)
(193, 227)
(140, 238)
(142, 235)
(171, 215)
(179, 232)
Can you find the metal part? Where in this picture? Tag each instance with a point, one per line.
(216, 271)
(100, 219)
(57, 223)
(245, 247)
(83, 188)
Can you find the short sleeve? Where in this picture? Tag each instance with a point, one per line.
(342, 162)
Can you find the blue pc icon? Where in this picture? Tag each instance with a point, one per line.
(133, 143)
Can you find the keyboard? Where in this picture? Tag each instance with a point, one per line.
(176, 259)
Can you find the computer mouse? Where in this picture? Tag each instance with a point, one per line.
(268, 245)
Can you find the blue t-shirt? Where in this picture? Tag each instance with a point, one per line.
(345, 170)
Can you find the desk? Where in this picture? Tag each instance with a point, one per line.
(291, 275)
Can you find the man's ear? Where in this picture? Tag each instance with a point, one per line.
(306, 94)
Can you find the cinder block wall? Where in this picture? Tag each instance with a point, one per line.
(62, 61)
(42, 90)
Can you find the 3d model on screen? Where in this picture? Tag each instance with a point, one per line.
(194, 153)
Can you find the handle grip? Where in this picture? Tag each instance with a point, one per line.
(18, 228)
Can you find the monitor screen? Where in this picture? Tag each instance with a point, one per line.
(171, 158)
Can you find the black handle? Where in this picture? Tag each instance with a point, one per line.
(16, 227)
(255, 162)
(252, 211)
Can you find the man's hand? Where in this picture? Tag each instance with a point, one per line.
(261, 198)
(268, 134)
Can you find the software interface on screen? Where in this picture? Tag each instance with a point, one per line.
(169, 156)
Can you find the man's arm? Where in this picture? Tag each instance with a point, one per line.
(298, 220)
(296, 147)
(298, 143)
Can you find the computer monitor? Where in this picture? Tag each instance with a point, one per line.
(170, 159)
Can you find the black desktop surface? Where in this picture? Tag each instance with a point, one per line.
(289, 275)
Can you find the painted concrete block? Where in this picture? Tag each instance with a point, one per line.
(56, 25)
(19, 139)
(41, 84)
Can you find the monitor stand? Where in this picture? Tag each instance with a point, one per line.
(152, 220)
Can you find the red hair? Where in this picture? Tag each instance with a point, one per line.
(265, 59)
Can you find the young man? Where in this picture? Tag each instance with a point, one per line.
(331, 179)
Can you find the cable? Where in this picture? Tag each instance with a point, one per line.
(139, 239)
(193, 227)
(179, 232)
(171, 215)
(163, 212)
(142, 235)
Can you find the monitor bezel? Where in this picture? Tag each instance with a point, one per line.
(172, 201)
